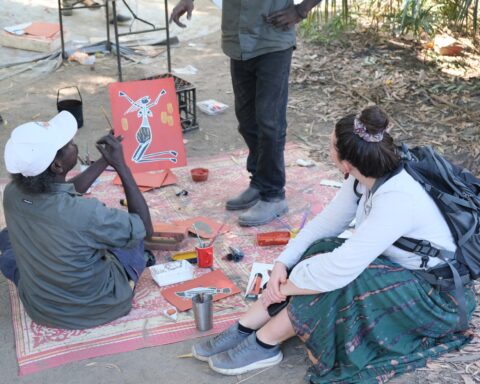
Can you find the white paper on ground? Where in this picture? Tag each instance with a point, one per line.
(211, 107)
(188, 70)
(18, 29)
(262, 268)
(331, 183)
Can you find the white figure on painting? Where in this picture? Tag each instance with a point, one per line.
(144, 136)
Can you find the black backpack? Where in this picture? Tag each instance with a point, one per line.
(456, 192)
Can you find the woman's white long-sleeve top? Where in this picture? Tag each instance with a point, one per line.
(399, 207)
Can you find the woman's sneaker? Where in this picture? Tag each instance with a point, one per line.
(245, 357)
(220, 343)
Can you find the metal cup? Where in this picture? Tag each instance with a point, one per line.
(203, 311)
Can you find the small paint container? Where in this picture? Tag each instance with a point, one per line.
(199, 174)
(273, 238)
(204, 256)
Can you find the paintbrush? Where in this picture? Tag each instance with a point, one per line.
(81, 160)
(200, 242)
(305, 217)
(216, 235)
(106, 117)
(285, 224)
(87, 157)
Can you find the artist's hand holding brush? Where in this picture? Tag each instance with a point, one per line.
(83, 181)
(111, 149)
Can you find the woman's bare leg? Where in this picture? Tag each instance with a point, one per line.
(278, 329)
(270, 330)
(256, 317)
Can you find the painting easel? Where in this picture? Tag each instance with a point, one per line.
(117, 35)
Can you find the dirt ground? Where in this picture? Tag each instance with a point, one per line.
(427, 105)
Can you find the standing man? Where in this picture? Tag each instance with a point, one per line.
(259, 37)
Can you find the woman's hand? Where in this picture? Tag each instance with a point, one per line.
(272, 293)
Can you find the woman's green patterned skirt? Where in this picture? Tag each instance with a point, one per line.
(386, 322)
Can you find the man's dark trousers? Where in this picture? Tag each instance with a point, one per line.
(260, 86)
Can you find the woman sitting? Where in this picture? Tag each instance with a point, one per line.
(359, 305)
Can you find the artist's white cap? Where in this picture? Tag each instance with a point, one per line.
(32, 146)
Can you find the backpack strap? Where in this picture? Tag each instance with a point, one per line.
(381, 180)
(358, 194)
(459, 295)
(424, 249)
(378, 182)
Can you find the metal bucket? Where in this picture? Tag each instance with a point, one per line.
(74, 106)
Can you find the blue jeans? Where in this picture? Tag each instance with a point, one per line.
(132, 259)
(260, 86)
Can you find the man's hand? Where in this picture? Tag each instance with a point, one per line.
(184, 6)
(284, 19)
(111, 149)
(272, 293)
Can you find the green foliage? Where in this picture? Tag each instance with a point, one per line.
(469, 7)
(417, 16)
(327, 23)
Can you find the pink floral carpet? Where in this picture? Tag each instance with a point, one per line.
(40, 347)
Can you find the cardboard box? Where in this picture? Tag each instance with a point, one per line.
(172, 272)
(33, 42)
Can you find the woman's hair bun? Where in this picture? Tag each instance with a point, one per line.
(375, 119)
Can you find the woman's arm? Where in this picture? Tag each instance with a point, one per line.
(332, 221)
(290, 289)
(286, 289)
(391, 216)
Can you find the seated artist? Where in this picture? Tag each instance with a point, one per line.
(362, 311)
(74, 260)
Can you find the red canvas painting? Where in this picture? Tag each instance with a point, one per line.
(215, 283)
(146, 114)
(151, 179)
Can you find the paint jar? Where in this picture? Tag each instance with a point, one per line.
(204, 256)
(202, 305)
(199, 174)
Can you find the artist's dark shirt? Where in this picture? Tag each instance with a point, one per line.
(246, 34)
(67, 279)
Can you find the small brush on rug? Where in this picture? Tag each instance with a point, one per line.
(39, 347)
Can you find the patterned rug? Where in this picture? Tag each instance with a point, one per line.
(40, 347)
